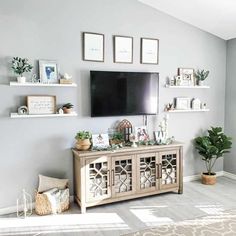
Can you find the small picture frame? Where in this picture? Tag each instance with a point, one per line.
(93, 47)
(41, 104)
(100, 140)
(182, 103)
(141, 134)
(187, 76)
(149, 51)
(48, 72)
(159, 136)
(123, 49)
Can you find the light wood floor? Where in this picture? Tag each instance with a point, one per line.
(129, 216)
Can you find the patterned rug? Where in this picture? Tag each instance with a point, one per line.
(223, 224)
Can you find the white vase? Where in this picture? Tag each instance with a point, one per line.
(21, 79)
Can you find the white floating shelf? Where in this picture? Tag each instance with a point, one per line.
(41, 85)
(189, 110)
(187, 87)
(16, 115)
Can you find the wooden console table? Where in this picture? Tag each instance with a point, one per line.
(103, 177)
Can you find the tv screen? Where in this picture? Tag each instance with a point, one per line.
(123, 93)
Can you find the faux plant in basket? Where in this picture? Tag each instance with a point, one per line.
(212, 147)
(67, 108)
(83, 140)
(20, 66)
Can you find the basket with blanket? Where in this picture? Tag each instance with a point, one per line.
(52, 197)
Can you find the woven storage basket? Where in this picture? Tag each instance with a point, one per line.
(43, 205)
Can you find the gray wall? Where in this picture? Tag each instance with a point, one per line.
(230, 109)
(52, 30)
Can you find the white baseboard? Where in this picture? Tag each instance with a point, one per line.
(197, 177)
(229, 175)
(12, 209)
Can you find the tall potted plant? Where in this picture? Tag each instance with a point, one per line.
(212, 147)
(20, 66)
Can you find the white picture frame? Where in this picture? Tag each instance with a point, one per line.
(48, 72)
(93, 47)
(187, 76)
(141, 133)
(100, 140)
(123, 49)
(182, 103)
(149, 51)
(44, 104)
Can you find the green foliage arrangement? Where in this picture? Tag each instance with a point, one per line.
(201, 75)
(21, 65)
(83, 135)
(118, 136)
(213, 146)
(68, 106)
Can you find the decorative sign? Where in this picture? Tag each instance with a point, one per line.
(100, 140)
(41, 104)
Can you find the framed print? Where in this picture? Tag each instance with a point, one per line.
(183, 103)
(123, 49)
(187, 76)
(41, 105)
(93, 47)
(48, 71)
(159, 136)
(141, 134)
(100, 140)
(149, 51)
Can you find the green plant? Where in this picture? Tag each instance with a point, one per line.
(20, 65)
(118, 136)
(68, 106)
(83, 135)
(201, 75)
(212, 146)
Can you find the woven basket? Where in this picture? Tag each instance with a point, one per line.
(43, 206)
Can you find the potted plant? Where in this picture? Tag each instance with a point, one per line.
(83, 140)
(200, 76)
(20, 66)
(67, 108)
(212, 147)
(117, 138)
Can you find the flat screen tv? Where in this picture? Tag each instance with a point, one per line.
(123, 93)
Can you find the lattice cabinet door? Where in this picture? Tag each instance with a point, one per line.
(98, 183)
(123, 175)
(147, 172)
(169, 169)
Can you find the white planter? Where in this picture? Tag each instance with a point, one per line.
(200, 83)
(21, 79)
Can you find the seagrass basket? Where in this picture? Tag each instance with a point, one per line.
(43, 205)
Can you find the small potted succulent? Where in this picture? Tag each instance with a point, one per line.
(67, 108)
(20, 66)
(200, 76)
(212, 147)
(83, 140)
(117, 138)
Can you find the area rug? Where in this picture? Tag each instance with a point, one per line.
(222, 224)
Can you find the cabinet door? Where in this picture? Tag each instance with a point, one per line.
(98, 178)
(147, 175)
(169, 169)
(123, 175)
